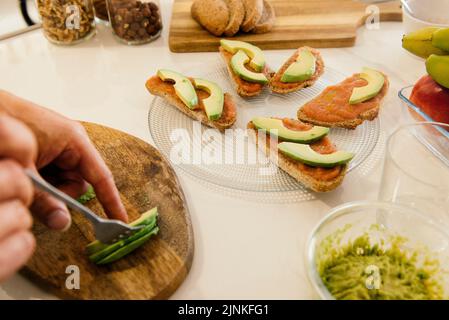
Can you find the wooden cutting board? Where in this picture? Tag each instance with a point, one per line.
(155, 270)
(316, 23)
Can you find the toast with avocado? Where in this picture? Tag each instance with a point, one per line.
(349, 103)
(301, 70)
(302, 150)
(200, 99)
(246, 66)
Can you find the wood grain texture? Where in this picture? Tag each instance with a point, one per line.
(315, 23)
(155, 270)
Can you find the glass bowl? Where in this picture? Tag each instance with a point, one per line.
(412, 112)
(352, 220)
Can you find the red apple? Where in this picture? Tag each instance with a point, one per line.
(432, 99)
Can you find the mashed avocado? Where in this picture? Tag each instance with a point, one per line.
(378, 270)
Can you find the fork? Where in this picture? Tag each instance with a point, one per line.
(106, 231)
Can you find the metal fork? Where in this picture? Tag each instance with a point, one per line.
(106, 231)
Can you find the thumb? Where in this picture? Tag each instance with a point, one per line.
(52, 212)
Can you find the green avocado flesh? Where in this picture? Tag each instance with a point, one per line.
(101, 253)
(213, 105)
(302, 69)
(376, 81)
(238, 62)
(183, 87)
(305, 154)
(87, 196)
(276, 127)
(347, 271)
(257, 57)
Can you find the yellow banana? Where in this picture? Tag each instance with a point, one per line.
(423, 44)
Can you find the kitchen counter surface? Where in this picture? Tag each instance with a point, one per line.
(261, 254)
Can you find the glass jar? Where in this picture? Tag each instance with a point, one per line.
(135, 22)
(67, 21)
(101, 11)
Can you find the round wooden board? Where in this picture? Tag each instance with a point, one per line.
(155, 270)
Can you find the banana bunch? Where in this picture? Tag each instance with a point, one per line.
(431, 44)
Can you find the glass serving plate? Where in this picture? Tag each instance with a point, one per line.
(166, 124)
(413, 113)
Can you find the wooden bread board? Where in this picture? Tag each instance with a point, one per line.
(316, 23)
(155, 270)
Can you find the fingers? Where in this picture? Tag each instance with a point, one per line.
(15, 250)
(14, 216)
(14, 184)
(95, 171)
(52, 212)
(17, 141)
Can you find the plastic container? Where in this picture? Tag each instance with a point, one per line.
(135, 22)
(67, 22)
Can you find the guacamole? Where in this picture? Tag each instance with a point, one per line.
(377, 270)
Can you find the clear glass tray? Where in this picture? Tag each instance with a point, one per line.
(165, 121)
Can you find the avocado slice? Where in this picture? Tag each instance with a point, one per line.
(305, 154)
(123, 251)
(376, 82)
(276, 127)
(110, 249)
(146, 218)
(183, 87)
(213, 105)
(438, 68)
(302, 69)
(238, 62)
(257, 57)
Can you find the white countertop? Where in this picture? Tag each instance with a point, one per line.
(260, 254)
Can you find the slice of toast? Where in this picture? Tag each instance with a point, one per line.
(165, 89)
(327, 109)
(266, 22)
(280, 87)
(244, 88)
(253, 13)
(236, 16)
(213, 15)
(314, 178)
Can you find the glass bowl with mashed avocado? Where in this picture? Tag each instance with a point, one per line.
(378, 251)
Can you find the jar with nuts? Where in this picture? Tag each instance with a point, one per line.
(135, 22)
(67, 21)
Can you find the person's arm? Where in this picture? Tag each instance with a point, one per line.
(67, 158)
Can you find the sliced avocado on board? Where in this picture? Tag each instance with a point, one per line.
(376, 81)
(213, 105)
(257, 57)
(183, 87)
(101, 253)
(276, 127)
(130, 247)
(302, 69)
(305, 154)
(238, 62)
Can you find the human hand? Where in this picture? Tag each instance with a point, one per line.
(67, 159)
(18, 150)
